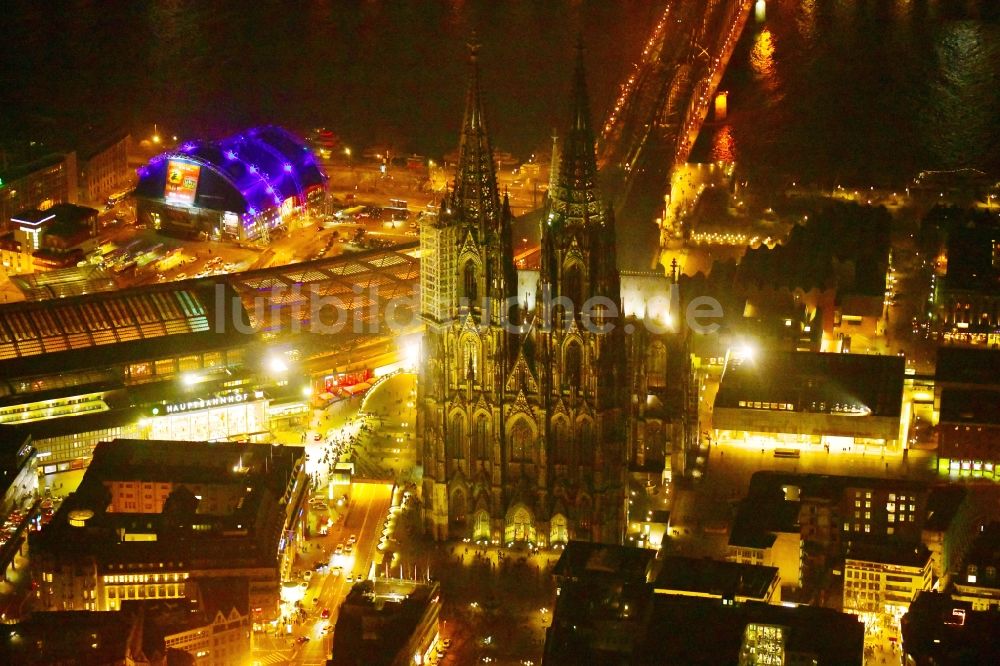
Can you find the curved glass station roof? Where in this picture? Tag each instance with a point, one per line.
(249, 172)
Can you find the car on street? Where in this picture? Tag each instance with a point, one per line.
(307, 575)
(350, 548)
(302, 639)
(352, 539)
(339, 550)
(325, 614)
(350, 578)
(317, 436)
(336, 571)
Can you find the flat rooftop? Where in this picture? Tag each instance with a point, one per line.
(940, 630)
(714, 577)
(970, 406)
(970, 258)
(693, 631)
(758, 520)
(943, 503)
(768, 483)
(841, 384)
(379, 618)
(244, 533)
(965, 365)
(901, 554)
(585, 558)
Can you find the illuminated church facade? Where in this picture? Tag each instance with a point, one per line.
(539, 393)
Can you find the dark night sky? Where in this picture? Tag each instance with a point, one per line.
(369, 70)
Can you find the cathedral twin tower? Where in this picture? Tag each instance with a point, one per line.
(522, 397)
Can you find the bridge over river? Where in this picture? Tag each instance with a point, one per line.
(660, 110)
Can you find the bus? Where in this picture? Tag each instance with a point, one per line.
(349, 213)
(117, 198)
(786, 453)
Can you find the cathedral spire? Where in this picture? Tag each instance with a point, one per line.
(579, 163)
(475, 199)
(575, 194)
(581, 103)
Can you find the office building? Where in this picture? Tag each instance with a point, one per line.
(810, 400)
(967, 296)
(976, 580)
(714, 579)
(969, 432)
(57, 237)
(768, 533)
(619, 605)
(39, 184)
(942, 629)
(387, 622)
(83, 637)
(104, 168)
(212, 624)
(883, 578)
(150, 515)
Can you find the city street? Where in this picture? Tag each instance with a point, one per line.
(364, 517)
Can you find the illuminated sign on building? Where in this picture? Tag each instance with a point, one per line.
(215, 419)
(182, 182)
(217, 401)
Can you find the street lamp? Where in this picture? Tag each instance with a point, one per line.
(347, 151)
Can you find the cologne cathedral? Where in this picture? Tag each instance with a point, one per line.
(534, 385)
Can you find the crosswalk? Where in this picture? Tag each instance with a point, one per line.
(275, 657)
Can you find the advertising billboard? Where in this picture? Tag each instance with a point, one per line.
(182, 182)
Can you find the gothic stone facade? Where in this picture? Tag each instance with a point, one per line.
(524, 426)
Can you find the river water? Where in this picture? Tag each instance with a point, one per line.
(824, 90)
(372, 71)
(862, 91)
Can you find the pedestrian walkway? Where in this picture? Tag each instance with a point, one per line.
(278, 657)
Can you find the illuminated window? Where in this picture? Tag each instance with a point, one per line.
(456, 437)
(520, 440)
(868, 528)
(166, 367)
(481, 438)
